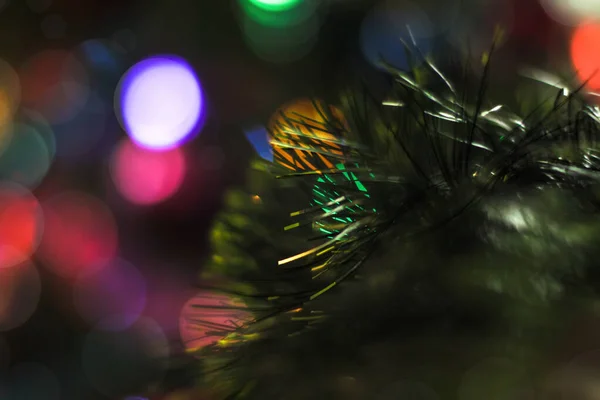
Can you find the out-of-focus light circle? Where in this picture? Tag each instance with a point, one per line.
(305, 112)
(160, 102)
(384, 29)
(20, 289)
(585, 53)
(80, 234)
(275, 5)
(21, 224)
(259, 139)
(26, 159)
(127, 361)
(208, 318)
(572, 12)
(55, 84)
(99, 54)
(288, 16)
(33, 381)
(112, 297)
(281, 40)
(147, 177)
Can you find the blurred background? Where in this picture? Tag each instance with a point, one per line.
(122, 123)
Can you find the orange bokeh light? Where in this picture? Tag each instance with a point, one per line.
(585, 53)
(302, 117)
(80, 234)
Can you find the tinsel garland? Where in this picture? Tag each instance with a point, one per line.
(402, 239)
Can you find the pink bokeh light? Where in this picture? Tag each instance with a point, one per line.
(208, 318)
(146, 177)
(112, 297)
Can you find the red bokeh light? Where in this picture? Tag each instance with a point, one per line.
(80, 234)
(147, 177)
(21, 225)
(585, 53)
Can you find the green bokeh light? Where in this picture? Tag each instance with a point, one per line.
(274, 5)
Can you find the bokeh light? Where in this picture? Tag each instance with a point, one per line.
(55, 84)
(571, 13)
(585, 53)
(208, 317)
(160, 102)
(127, 361)
(275, 5)
(20, 289)
(259, 139)
(147, 177)
(295, 118)
(100, 54)
(111, 297)
(80, 234)
(21, 224)
(26, 160)
(280, 31)
(387, 26)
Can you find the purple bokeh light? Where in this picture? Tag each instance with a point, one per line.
(160, 102)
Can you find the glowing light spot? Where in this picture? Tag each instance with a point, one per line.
(112, 297)
(207, 318)
(21, 225)
(99, 54)
(146, 177)
(20, 289)
(259, 139)
(26, 159)
(305, 117)
(570, 12)
(160, 102)
(275, 5)
(80, 234)
(585, 53)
